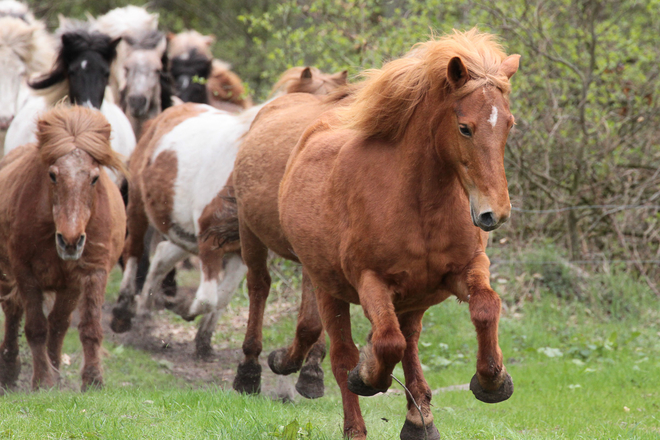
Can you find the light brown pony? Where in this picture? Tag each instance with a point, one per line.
(62, 227)
(259, 167)
(386, 204)
(225, 89)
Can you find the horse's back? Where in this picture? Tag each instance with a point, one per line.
(23, 129)
(262, 159)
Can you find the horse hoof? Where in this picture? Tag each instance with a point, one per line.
(91, 379)
(499, 395)
(276, 361)
(9, 372)
(95, 384)
(310, 382)
(120, 325)
(357, 386)
(410, 431)
(248, 378)
(180, 307)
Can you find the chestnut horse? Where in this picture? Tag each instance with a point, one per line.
(387, 204)
(62, 227)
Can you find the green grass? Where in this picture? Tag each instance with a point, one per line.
(582, 370)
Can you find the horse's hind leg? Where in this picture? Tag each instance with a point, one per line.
(309, 342)
(59, 320)
(255, 255)
(344, 357)
(234, 271)
(10, 366)
(166, 256)
(386, 344)
(91, 332)
(417, 426)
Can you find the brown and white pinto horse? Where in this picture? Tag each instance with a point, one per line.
(387, 203)
(62, 227)
(178, 175)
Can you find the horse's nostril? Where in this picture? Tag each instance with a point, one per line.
(487, 219)
(60, 240)
(137, 102)
(81, 241)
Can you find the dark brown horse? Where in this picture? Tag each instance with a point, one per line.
(62, 227)
(387, 202)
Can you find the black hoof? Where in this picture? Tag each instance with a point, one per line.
(119, 325)
(121, 317)
(310, 382)
(248, 378)
(357, 386)
(180, 307)
(411, 431)
(275, 361)
(499, 395)
(9, 372)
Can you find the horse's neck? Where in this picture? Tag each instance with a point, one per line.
(426, 176)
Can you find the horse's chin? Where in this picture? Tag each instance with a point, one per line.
(67, 256)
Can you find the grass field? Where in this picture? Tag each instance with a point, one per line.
(586, 365)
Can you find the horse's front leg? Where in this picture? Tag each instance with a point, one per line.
(36, 333)
(91, 332)
(419, 419)
(10, 366)
(59, 320)
(491, 383)
(386, 344)
(344, 357)
(308, 345)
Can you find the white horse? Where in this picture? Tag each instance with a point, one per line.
(121, 23)
(81, 73)
(25, 49)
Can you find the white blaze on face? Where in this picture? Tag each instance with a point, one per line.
(83, 65)
(493, 117)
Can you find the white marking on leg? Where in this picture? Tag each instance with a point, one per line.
(128, 279)
(166, 256)
(207, 300)
(493, 117)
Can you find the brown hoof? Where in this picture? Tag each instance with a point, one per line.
(120, 325)
(310, 381)
(357, 386)
(276, 362)
(91, 380)
(122, 316)
(499, 395)
(411, 431)
(248, 378)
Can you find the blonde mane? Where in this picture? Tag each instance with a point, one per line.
(388, 98)
(181, 44)
(29, 41)
(64, 129)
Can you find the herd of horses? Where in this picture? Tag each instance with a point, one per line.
(384, 190)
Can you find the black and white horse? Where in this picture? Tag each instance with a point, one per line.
(190, 64)
(80, 72)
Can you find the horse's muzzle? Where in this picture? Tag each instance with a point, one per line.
(70, 249)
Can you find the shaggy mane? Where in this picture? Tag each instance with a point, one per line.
(29, 41)
(64, 129)
(182, 44)
(387, 99)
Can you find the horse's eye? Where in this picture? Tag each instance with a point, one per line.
(53, 177)
(465, 130)
(94, 180)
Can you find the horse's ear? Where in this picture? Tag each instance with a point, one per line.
(114, 43)
(457, 73)
(306, 74)
(510, 65)
(209, 39)
(161, 46)
(341, 78)
(170, 36)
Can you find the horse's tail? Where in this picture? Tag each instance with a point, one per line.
(223, 229)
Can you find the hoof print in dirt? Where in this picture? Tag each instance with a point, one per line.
(410, 431)
(248, 378)
(357, 386)
(310, 382)
(499, 395)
